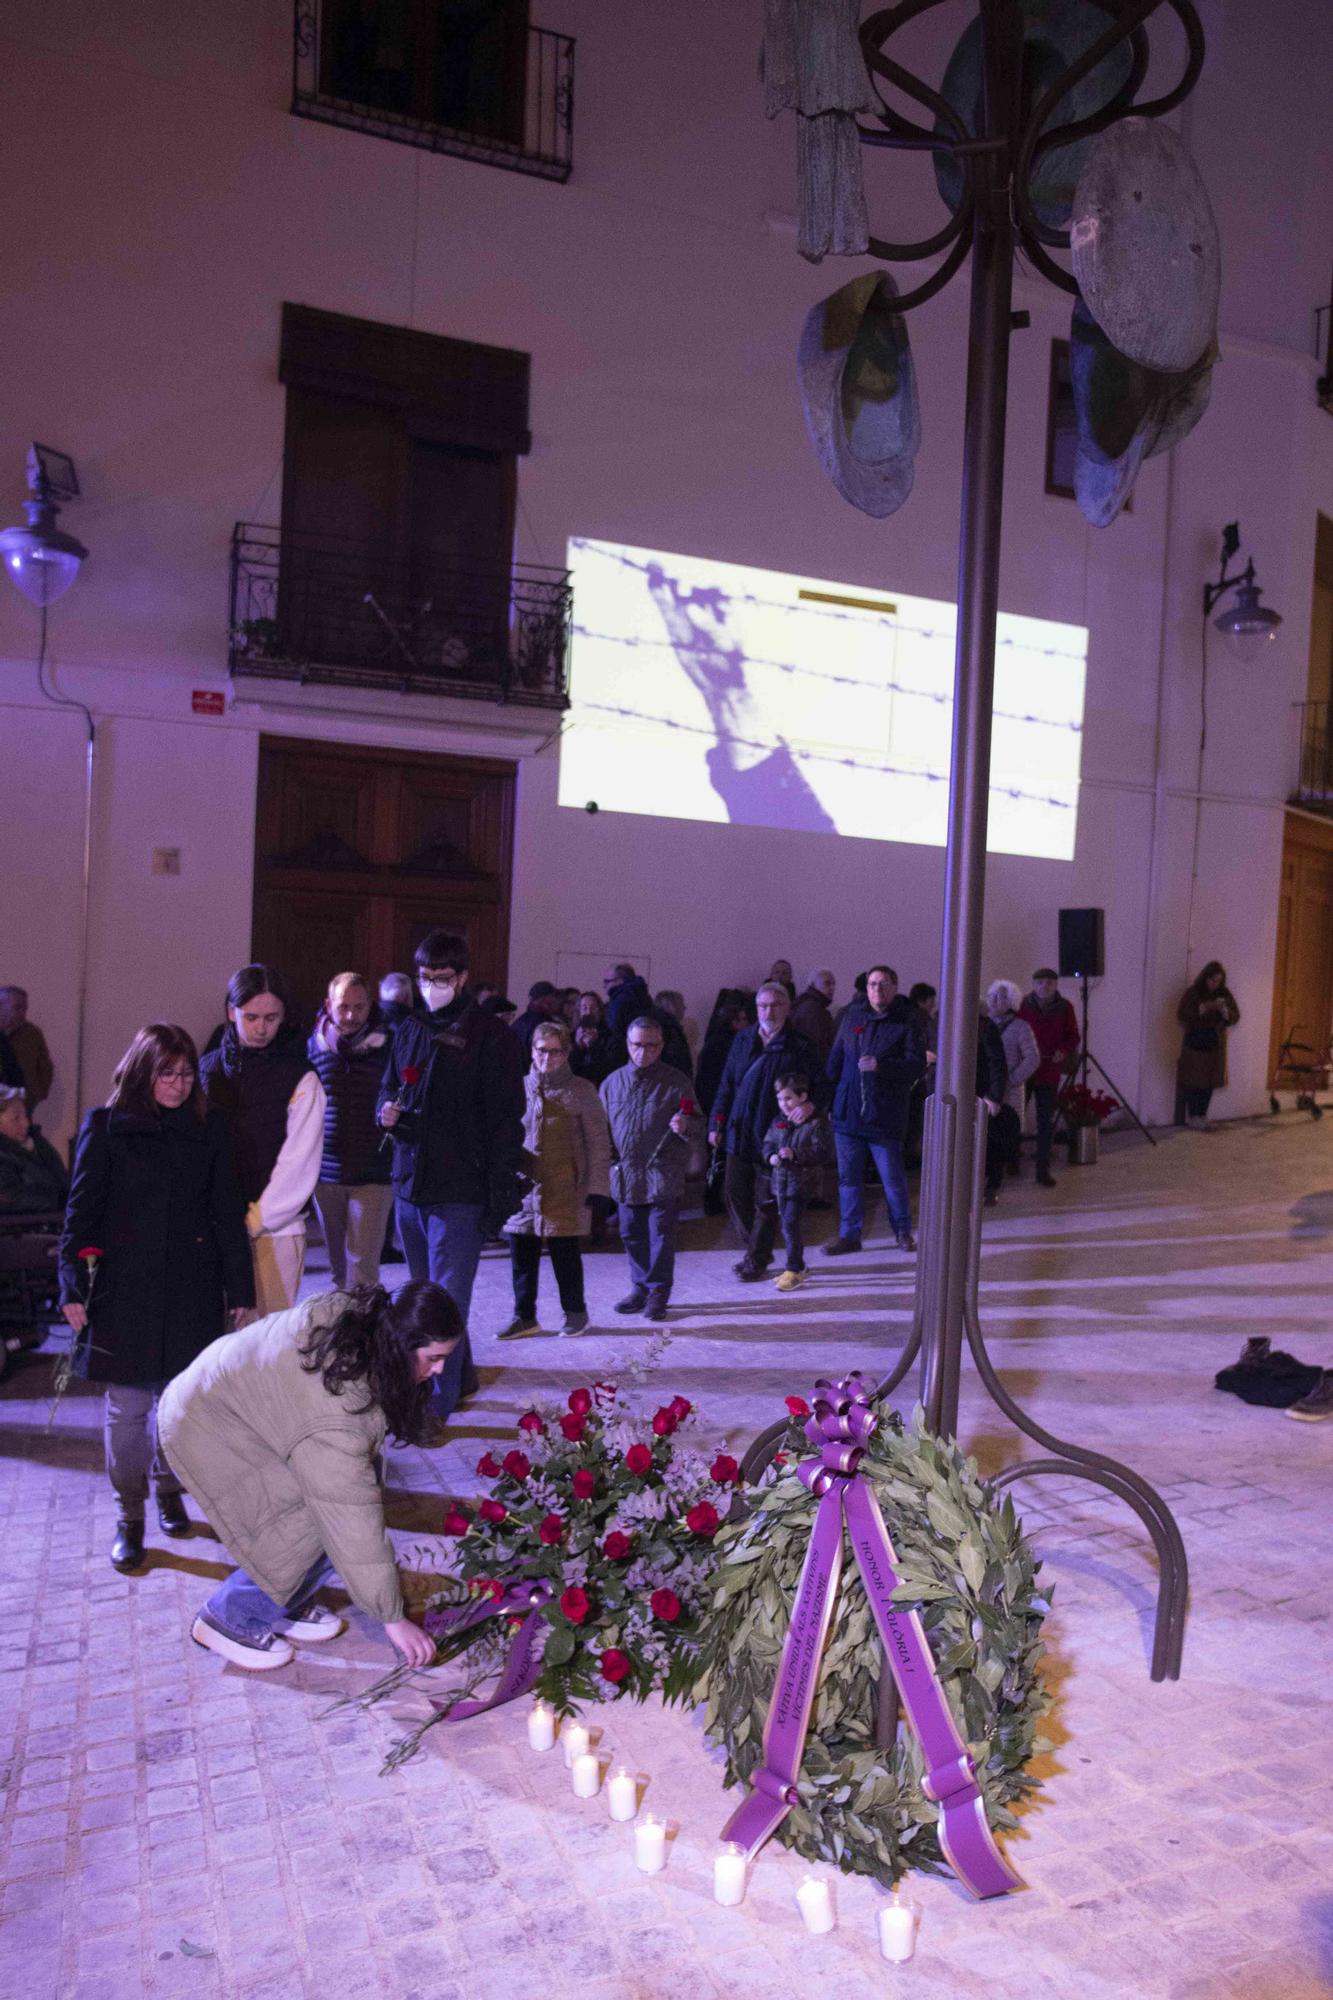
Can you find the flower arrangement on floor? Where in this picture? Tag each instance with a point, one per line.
(1084, 1106)
(963, 1565)
(598, 1525)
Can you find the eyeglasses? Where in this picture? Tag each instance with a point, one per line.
(175, 1076)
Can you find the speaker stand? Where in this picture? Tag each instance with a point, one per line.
(1087, 1060)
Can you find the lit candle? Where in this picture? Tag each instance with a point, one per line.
(816, 1905)
(587, 1774)
(729, 1874)
(575, 1739)
(650, 1845)
(622, 1794)
(897, 1930)
(541, 1727)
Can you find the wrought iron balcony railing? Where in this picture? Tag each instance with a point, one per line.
(1314, 786)
(320, 608)
(479, 84)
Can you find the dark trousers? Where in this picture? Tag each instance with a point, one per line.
(791, 1209)
(1004, 1137)
(1197, 1102)
(1044, 1095)
(566, 1261)
(648, 1232)
(748, 1193)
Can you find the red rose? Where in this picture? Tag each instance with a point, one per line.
(489, 1466)
(580, 1401)
(584, 1484)
(780, 1458)
(681, 1408)
(551, 1530)
(687, 1106)
(798, 1406)
(574, 1604)
(411, 1074)
(639, 1459)
(725, 1470)
(616, 1546)
(517, 1465)
(89, 1256)
(531, 1423)
(486, 1586)
(456, 1522)
(491, 1510)
(665, 1605)
(664, 1422)
(781, 1124)
(616, 1666)
(573, 1428)
(702, 1520)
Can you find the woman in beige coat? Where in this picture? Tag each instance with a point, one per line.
(568, 1160)
(276, 1431)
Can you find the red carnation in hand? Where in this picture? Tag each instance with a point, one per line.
(724, 1469)
(639, 1459)
(491, 1510)
(616, 1546)
(664, 1422)
(532, 1423)
(410, 1074)
(574, 1604)
(584, 1484)
(687, 1106)
(616, 1666)
(517, 1464)
(798, 1406)
(573, 1428)
(489, 1466)
(580, 1401)
(665, 1605)
(681, 1408)
(702, 1520)
(456, 1522)
(89, 1256)
(551, 1530)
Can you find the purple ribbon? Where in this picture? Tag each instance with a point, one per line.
(840, 1426)
(523, 1663)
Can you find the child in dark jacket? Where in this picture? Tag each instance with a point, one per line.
(797, 1146)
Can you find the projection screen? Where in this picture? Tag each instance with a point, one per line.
(703, 690)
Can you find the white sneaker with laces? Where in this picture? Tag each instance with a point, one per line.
(259, 1656)
(313, 1627)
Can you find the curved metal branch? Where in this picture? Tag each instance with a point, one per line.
(874, 31)
(910, 253)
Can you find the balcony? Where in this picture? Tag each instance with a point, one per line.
(322, 609)
(477, 83)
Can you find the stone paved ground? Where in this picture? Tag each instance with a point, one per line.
(1183, 1846)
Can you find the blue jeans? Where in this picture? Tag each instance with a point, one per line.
(888, 1157)
(648, 1232)
(444, 1244)
(249, 1613)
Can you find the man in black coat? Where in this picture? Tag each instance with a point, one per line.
(453, 1100)
(545, 1003)
(745, 1106)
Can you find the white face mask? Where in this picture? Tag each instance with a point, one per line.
(436, 994)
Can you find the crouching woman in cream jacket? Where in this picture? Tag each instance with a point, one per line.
(276, 1431)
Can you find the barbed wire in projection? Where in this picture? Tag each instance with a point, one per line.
(810, 609)
(942, 698)
(812, 756)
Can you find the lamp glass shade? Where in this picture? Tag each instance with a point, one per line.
(1247, 625)
(41, 562)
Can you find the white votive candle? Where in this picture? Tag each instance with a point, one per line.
(729, 1874)
(541, 1727)
(622, 1794)
(575, 1739)
(587, 1774)
(897, 1930)
(816, 1906)
(650, 1845)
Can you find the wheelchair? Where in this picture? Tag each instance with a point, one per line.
(29, 1283)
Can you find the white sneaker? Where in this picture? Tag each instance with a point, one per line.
(259, 1656)
(313, 1627)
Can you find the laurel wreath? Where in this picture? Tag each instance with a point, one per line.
(966, 1566)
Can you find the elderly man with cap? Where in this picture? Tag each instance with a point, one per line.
(545, 1003)
(1054, 1025)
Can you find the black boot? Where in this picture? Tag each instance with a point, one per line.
(656, 1307)
(127, 1549)
(172, 1515)
(632, 1301)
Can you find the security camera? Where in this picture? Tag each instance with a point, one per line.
(591, 806)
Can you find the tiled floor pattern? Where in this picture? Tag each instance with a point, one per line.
(1183, 1846)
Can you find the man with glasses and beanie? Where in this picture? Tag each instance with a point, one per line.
(653, 1118)
(452, 1102)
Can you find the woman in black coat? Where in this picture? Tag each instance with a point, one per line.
(154, 1262)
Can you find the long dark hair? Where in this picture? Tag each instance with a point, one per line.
(251, 980)
(372, 1342)
(1210, 971)
(145, 1058)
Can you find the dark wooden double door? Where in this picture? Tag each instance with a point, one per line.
(359, 852)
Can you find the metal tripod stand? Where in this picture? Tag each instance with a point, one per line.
(1087, 1060)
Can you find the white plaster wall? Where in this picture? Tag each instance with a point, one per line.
(147, 256)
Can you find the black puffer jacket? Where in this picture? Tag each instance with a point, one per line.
(351, 1071)
(873, 1104)
(252, 1088)
(747, 1103)
(460, 1136)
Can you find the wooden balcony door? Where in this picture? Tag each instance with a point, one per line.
(359, 852)
(1303, 969)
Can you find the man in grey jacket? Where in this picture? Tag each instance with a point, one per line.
(653, 1118)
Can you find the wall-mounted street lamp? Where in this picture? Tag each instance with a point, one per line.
(1247, 625)
(40, 559)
